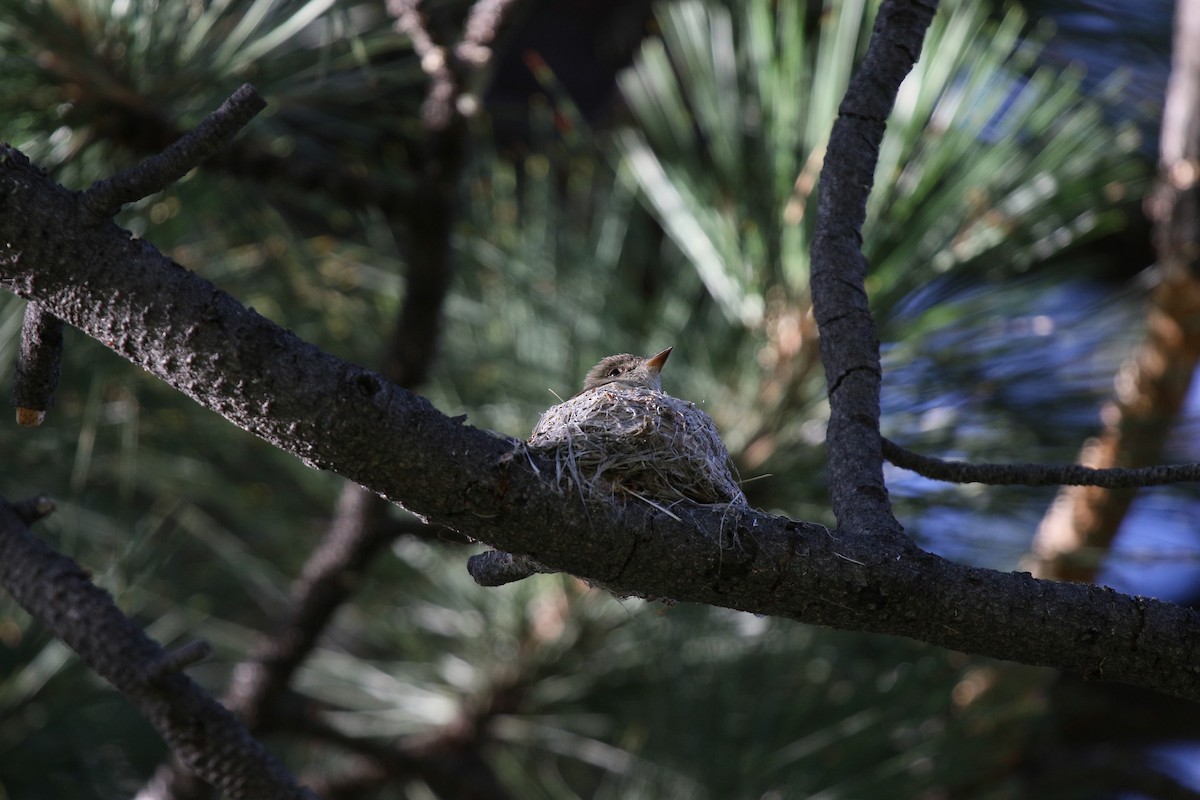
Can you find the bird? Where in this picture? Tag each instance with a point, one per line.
(633, 436)
(627, 371)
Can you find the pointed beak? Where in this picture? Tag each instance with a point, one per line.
(656, 361)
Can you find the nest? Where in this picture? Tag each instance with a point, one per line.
(641, 442)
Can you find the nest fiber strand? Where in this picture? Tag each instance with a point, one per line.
(642, 441)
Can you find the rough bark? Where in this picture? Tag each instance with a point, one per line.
(338, 416)
(849, 341)
(341, 417)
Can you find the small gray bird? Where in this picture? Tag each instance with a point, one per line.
(627, 371)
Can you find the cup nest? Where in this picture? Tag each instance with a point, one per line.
(638, 441)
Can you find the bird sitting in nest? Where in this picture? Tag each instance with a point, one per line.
(623, 434)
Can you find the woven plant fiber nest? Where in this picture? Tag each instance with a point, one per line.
(638, 441)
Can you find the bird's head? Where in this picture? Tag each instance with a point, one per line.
(626, 370)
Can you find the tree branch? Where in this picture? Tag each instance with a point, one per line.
(341, 417)
(1038, 474)
(338, 416)
(156, 173)
(209, 739)
(848, 338)
(39, 364)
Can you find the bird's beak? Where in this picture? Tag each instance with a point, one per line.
(656, 361)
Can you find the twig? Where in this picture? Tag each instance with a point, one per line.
(34, 508)
(157, 172)
(496, 568)
(1037, 474)
(179, 659)
(39, 364)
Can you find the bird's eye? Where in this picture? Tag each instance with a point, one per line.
(614, 372)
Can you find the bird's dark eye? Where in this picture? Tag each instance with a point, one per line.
(614, 372)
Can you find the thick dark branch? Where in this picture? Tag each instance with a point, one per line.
(848, 338)
(1037, 474)
(158, 172)
(341, 417)
(210, 740)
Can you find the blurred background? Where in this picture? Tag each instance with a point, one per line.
(638, 175)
